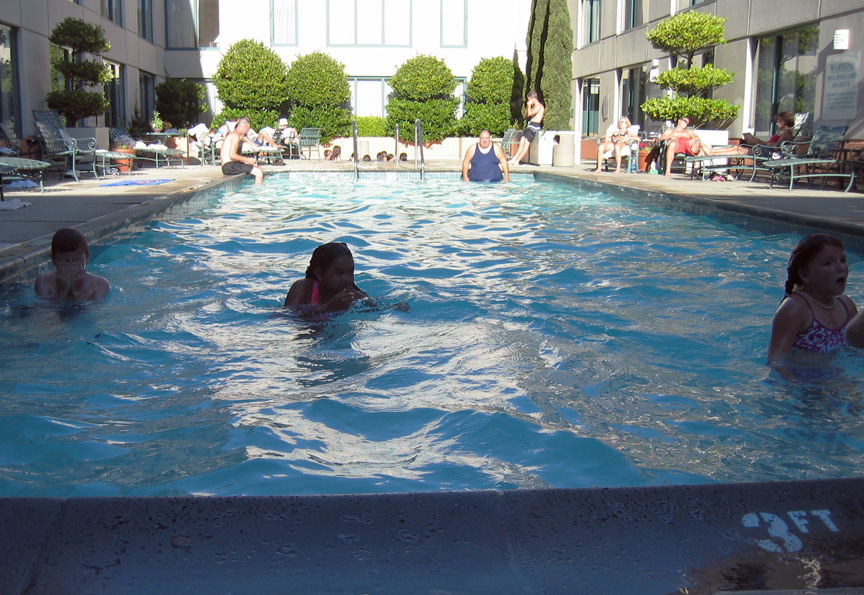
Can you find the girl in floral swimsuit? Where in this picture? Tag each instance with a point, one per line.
(814, 312)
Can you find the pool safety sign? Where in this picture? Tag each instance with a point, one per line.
(840, 94)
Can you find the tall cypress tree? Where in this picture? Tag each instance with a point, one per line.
(549, 67)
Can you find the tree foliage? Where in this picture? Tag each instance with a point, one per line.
(685, 34)
(550, 60)
(252, 77)
(75, 101)
(423, 89)
(489, 90)
(180, 101)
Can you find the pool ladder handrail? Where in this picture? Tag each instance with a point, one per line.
(396, 149)
(356, 156)
(418, 142)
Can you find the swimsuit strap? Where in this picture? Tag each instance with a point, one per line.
(314, 298)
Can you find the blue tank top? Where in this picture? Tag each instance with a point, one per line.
(484, 168)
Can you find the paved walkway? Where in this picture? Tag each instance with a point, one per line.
(99, 211)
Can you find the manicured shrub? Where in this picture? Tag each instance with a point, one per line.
(180, 101)
(319, 93)
(550, 61)
(76, 102)
(371, 126)
(684, 34)
(251, 77)
(423, 89)
(489, 90)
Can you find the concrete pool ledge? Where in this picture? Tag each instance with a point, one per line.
(674, 539)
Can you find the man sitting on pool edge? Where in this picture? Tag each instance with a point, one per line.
(484, 161)
(233, 161)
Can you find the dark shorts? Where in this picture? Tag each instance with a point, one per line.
(233, 168)
(531, 131)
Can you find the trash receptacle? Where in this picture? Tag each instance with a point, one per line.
(564, 153)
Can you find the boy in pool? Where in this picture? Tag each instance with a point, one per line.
(70, 255)
(809, 318)
(329, 282)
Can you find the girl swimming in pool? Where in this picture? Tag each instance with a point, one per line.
(329, 282)
(814, 312)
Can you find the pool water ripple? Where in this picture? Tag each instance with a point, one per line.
(555, 338)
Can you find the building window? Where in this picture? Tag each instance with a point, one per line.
(113, 11)
(632, 13)
(590, 107)
(590, 21)
(115, 93)
(191, 23)
(369, 23)
(9, 77)
(145, 20)
(146, 87)
(454, 23)
(283, 22)
(369, 96)
(786, 77)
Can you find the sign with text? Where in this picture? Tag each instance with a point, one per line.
(840, 94)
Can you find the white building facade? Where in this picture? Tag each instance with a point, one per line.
(154, 39)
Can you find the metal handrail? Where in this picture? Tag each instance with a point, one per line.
(396, 149)
(356, 156)
(418, 142)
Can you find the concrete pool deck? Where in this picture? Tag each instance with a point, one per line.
(789, 537)
(99, 211)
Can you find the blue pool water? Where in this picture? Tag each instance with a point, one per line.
(556, 338)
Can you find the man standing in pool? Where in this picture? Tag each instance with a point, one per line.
(534, 111)
(484, 161)
(233, 161)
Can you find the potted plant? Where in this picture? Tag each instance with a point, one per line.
(124, 165)
(156, 122)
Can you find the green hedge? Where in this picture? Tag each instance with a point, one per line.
(334, 121)
(180, 101)
(423, 88)
(371, 126)
(251, 77)
(489, 91)
(317, 79)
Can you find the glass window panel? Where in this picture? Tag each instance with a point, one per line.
(115, 94)
(8, 77)
(370, 22)
(632, 13)
(147, 99)
(397, 22)
(180, 23)
(284, 22)
(369, 99)
(591, 21)
(145, 19)
(453, 20)
(340, 28)
(590, 106)
(208, 22)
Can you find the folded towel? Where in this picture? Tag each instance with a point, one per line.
(12, 204)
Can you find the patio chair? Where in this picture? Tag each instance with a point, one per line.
(630, 152)
(823, 159)
(511, 138)
(78, 155)
(13, 143)
(17, 168)
(310, 138)
(153, 153)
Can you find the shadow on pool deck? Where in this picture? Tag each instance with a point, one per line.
(707, 539)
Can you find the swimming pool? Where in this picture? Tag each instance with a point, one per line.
(556, 338)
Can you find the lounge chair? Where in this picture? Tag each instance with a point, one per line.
(154, 153)
(17, 168)
(310, 138)
(78, 155)
(511, 138)
(631, 151)
(823, 159)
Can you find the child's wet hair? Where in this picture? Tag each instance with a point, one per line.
(324, 255)
(803, 253)
(69, 240)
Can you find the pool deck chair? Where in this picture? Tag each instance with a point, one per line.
(17, 168)
(823, 159)
(511, 138)
(78, 155)
(310, 138)
(160, 155)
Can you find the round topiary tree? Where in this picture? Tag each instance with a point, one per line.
(489, 91)
(319, 93)
(685, 34)
(253, 80)
(422, 88)
(75, 102)
(180, 101)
